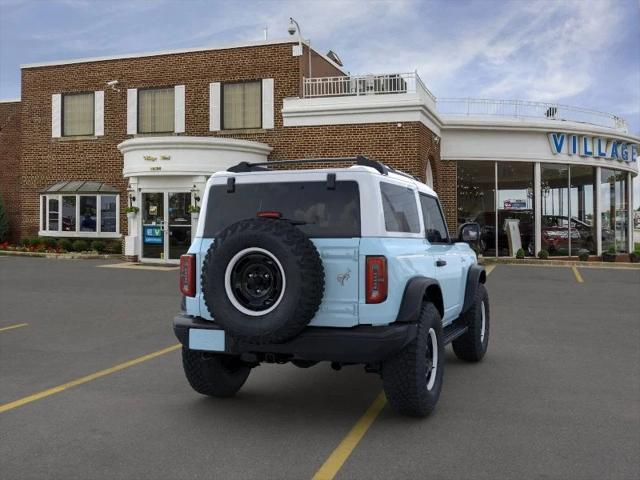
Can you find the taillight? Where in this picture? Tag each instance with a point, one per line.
(376, 279)
(188, 275)
(269, 214)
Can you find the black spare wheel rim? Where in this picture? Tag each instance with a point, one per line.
(262, 280)
(255, 281)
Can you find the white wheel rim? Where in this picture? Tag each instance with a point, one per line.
(484, 321)
(433, 373)
(229, 290)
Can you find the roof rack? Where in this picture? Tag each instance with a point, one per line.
(359, 160)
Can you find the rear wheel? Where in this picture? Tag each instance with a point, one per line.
(213, 374)
(473, 345)
(412, 378)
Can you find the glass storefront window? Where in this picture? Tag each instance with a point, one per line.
(69, 214)
(622, 211)
(515, 208)
(554, 190)
(54, 215)
(476, 200)
(88, 214)
(614, 197)
(108, 218)
(569, 198)
(582, 208)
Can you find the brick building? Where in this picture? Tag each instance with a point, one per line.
(91, 137)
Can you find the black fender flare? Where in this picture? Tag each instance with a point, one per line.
(475, 276)
(415, 292)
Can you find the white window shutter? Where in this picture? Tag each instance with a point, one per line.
(267, 103)
(132, 111)
(98, 110)
(214, 106)
(56, 115)
(179, 94)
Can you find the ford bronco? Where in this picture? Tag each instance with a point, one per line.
(349, 265)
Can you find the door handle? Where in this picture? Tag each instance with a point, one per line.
(440, 263)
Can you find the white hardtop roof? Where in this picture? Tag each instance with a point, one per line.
(317, 173)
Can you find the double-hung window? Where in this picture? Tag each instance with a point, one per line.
(156, 110)
(78, 114)
(242, 105)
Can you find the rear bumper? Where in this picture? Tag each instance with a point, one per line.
(360, 344)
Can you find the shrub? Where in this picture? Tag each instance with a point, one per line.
(48, 242)
(26, 242)
(98, 245)
(115, 247)
(611, 249)
(543, 254)
(520, 253)
(80, 245)
(4, 222)
(65, 244)
(583, 255)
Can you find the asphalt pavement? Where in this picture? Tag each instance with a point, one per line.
(558, 395)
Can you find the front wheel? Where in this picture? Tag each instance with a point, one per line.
(473, 345)
(412, 379)
(213, 374)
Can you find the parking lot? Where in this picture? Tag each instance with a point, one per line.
(558, 395)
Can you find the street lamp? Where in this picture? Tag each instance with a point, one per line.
(293, 28)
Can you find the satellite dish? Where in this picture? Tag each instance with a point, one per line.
(334, 57)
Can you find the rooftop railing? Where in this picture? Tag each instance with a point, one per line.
(399, 83)
(357, 85)
(526, 109)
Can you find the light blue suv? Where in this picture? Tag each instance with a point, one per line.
(347, 265)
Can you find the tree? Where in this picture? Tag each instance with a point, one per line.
(4, 222)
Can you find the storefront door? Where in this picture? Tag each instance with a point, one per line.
(166, 226)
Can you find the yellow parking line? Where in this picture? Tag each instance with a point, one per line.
(576, 273)
(337, 458)
(334, 463)
(74, 383)
(11, 327)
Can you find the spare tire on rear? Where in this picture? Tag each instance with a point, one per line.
(262, 280)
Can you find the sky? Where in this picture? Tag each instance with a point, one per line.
(576, 52)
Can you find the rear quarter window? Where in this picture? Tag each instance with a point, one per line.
(400, 208)
(322, 212)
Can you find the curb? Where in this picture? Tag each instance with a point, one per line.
(558, 263)
(64, 256)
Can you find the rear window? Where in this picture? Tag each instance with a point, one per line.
(400, 208)
(322, 212)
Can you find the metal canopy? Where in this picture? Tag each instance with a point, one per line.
(80, 186)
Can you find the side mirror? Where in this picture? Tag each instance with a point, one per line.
(470, 233)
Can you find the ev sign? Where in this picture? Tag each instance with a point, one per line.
(597, 147)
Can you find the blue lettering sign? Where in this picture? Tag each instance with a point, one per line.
(586, 148)
(624, 152)
(613, 154)
(573, 147)
(153, 235)
(557, 142)
(634, 153)
(601, 150)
